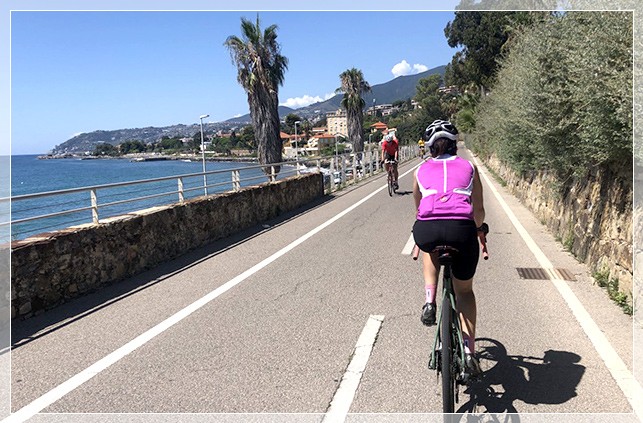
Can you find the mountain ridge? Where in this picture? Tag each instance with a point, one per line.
(399, 88)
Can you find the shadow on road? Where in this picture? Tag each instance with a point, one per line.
(550, 379)
(25, 331)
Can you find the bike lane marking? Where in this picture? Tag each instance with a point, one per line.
(343, 398)
(408, 248)
(77, 380)
(625, 380)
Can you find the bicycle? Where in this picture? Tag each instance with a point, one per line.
(391, 177)
(448, 354)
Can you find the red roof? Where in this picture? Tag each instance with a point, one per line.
(379, 125)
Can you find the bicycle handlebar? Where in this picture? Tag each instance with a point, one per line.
(483, 230)
(416, 252)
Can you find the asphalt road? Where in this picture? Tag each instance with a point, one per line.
(268, 321)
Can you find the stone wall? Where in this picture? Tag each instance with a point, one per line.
(592, 216)
(57, 266)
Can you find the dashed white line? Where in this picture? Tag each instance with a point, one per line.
(343, 398)
(408, 248)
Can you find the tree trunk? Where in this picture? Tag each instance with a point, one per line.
(265, 121)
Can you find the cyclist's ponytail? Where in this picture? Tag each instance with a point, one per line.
(443, 146)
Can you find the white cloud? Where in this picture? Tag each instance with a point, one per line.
(305, 100)
(404, 68)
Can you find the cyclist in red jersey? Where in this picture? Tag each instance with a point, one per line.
(390, 149)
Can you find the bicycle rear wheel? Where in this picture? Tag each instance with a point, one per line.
(446, 355)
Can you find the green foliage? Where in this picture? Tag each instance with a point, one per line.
(465, 115)
(105, 149)
(171, 144)
(261, 70)
(246, 138)
(289, 123)
(131, 147)
(612, 286)
(428, 97)
(354, 86)
(483, 37)
(563, 100)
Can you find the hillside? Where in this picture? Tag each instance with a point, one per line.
(400, 88)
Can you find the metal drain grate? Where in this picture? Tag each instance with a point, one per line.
(539, 273)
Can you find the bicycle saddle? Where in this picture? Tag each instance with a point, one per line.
(445, 253)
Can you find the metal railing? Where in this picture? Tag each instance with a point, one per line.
(36, 213)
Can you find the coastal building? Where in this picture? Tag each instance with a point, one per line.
(378, 126)
(337, 123)
(381, 110)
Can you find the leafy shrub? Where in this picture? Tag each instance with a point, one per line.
(563, 97)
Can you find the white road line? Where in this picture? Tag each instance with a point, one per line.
(408, 248)
(343, 398)
(623, 377)
(74, 382)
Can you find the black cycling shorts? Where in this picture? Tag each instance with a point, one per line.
(459, 234)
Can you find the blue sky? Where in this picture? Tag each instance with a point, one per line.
(80, 71)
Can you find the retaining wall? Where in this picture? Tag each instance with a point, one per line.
(52, 268)
(592, 216)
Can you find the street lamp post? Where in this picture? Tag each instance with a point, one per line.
(296, 153)
(205, 178)
(335, 146)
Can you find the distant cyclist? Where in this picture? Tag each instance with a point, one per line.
(390, 149)
(449, 202)
(421, 147)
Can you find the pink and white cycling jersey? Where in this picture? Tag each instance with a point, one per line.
(446, 183)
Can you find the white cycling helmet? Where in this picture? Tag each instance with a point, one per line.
(440, 129)
(388, 137)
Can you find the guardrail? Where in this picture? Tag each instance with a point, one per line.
(36, 213)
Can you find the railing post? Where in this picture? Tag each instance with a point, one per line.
(236, 180)
(355, 168)
(273, 175)
(94, 205)
(181, 197)
(332, 174)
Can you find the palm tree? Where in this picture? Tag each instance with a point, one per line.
(353, 86)
(261, 69)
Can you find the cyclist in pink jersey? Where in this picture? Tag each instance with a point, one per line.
(449, 204)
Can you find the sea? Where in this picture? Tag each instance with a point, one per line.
(30, 175)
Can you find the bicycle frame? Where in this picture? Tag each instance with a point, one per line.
(455, 332)
(447, 291)
(453, 349)
(390, 174)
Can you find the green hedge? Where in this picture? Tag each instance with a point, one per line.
(563, 97)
